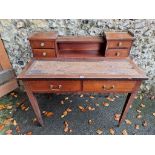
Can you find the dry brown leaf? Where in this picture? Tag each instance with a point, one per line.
(23, 107)
(144, 123)
(128, 122)
(110, 99)
(153, 114)
(8, 132)
(7, 121)
(124, 132)
(139, 116)
(66, 129)
(62, 102)
(90, 108)
(90, 121)
(49, 114)
(64, 114)
(139, 111)
(29, 133)
(99, 131)
(14, 123)
(66, 98)
(136, 126)
(142, 105)
(112, 131)
(105, 104)
(9, 107)
(117, 117)
(81, 95)
(82, 108)
(18, 129)
(91, 97)
(2, 107)
(1, 127)
(68, 110)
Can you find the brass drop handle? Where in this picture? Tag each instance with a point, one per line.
(44, 53)
(55, 88)
(108, 88)
(117, 54)
(42, 44)
(119, 44)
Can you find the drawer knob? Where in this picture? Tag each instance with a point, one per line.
(42, 44)
(117, 54)
(119, 44)
(108, 88)
(44, 53)
(52, 87)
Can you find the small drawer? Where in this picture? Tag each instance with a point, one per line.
(117, 53)
(108, 86)
(55, 85)
(42, 44)
(43, 53)
(119, 44)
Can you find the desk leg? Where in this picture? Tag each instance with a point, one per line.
(129, 100)
(34, 103)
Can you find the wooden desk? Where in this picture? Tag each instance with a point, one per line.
(72, 71)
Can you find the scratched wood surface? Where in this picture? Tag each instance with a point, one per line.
(76, 68)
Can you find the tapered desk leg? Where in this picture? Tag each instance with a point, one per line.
(129, 100)
(34, 104)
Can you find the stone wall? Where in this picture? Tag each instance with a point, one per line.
(15, 32)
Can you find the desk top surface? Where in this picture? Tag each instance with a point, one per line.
(78, 68)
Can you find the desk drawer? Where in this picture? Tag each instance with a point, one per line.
(117, 53)
(42, 44)
(43, 53)
(119, 44)
(54, 85)
(108, 85)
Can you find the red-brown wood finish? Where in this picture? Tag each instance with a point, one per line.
(78, 64)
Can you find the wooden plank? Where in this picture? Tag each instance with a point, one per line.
(4, 60)
(8, 87)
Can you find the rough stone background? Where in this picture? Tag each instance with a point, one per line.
(14, 33)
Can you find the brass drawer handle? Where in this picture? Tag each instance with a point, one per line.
(44, 53)
(108, 88)
(42, 44)
(117, 54)
(56, 88)
(119, 44)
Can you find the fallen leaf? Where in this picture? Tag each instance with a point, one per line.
(90, 108)
(1, 127)
(27, 109)
(153, 114)
(117, 117)
(64, 114)
(81, 95)
(8, 121)
(66, 98)
(9, 107)
(23, 107)
(48, 114)
(124, 132)
(90, 122)
(137, 126)
(15, 95)
(139, 116)
(128, 122)
(99, 131)
(68, 110)
(62, 102)
(112, 131)
(110, 99)
(139, 111)
(29, 133)
(105, 104)
(18, 129)
(91, 97)
(142, 105)
(144, 123)
(82, 108)
(66, 129)
(8, 132)
(14, 122)
(2, 107)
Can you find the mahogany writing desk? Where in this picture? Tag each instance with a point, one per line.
(81, 64)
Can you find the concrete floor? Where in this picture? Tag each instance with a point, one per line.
(102, 116)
